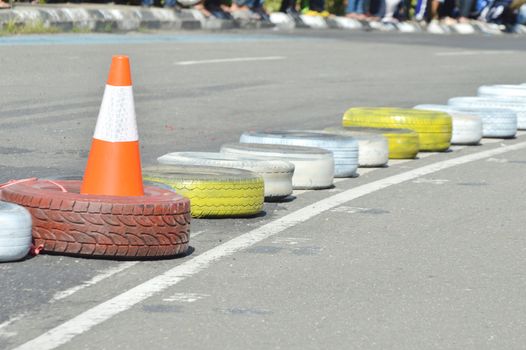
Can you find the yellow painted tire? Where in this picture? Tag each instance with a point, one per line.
(433, 128)
(402, 143)
(213, 191)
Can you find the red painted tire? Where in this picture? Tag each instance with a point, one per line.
(154, 225)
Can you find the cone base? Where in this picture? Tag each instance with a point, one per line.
(113, 169)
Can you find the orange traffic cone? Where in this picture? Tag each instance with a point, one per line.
(114, 162)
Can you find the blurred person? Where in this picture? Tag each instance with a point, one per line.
(421, 10)
(317, 8)
(404, 11)
(189, 4)
(446, 12)
(215, 8)
(355, 9)
(4, 5)
(519, 7)
(200, 6)
(376, 10)
(240, 5)
(258, 8)
(499, 12)
(465, 8)
(480, 5)
(254, 6)
(289, 7)
(521, 17)
(391, 7)
(427, 10)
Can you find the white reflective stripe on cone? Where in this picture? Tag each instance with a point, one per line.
(116, 122)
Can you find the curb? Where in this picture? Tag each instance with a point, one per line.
(125, 18)
(113, 18)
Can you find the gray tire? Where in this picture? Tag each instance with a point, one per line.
(515, 104)
(502, 90)
(313, 167)
(373, 149)
(15, 232)
(467, 127)
(277, 174)
(343, 148)
(498, 123)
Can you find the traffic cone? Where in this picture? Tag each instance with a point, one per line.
(114, 162)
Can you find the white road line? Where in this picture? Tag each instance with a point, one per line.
(392, 162)
(474, 52)
(487, 141)
(430, 181)
(422, 155)
(195, 234)
(4, 334)
(228, 60)
(291, 240)
(88, 319)
(100, 277)
(363, 171)
(186, 297)
(68, 292)
(337, 180)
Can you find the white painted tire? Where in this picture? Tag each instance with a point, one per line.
(373, 149)
(15, 232)
(313, 167)
(512, 91)
(467, 127)
(277, 174)
(498, 123)
(517, 105)
(343, 148)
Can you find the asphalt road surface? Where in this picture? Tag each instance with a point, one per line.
(423, 254)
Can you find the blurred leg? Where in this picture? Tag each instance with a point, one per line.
(465, 7)
(351, 6)
(521, 18)
(317, 5)
(390, 9)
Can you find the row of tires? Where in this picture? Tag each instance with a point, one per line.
(236, 181)
(309, 159)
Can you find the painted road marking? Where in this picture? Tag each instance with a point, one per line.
(186, 297)
(68, 292)
(290, 240)
(228, 60)
(6, 334)
(100, 277)
(487, 141)
(497, 160)
(423, 180)
(358, 210)
(82, 323)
